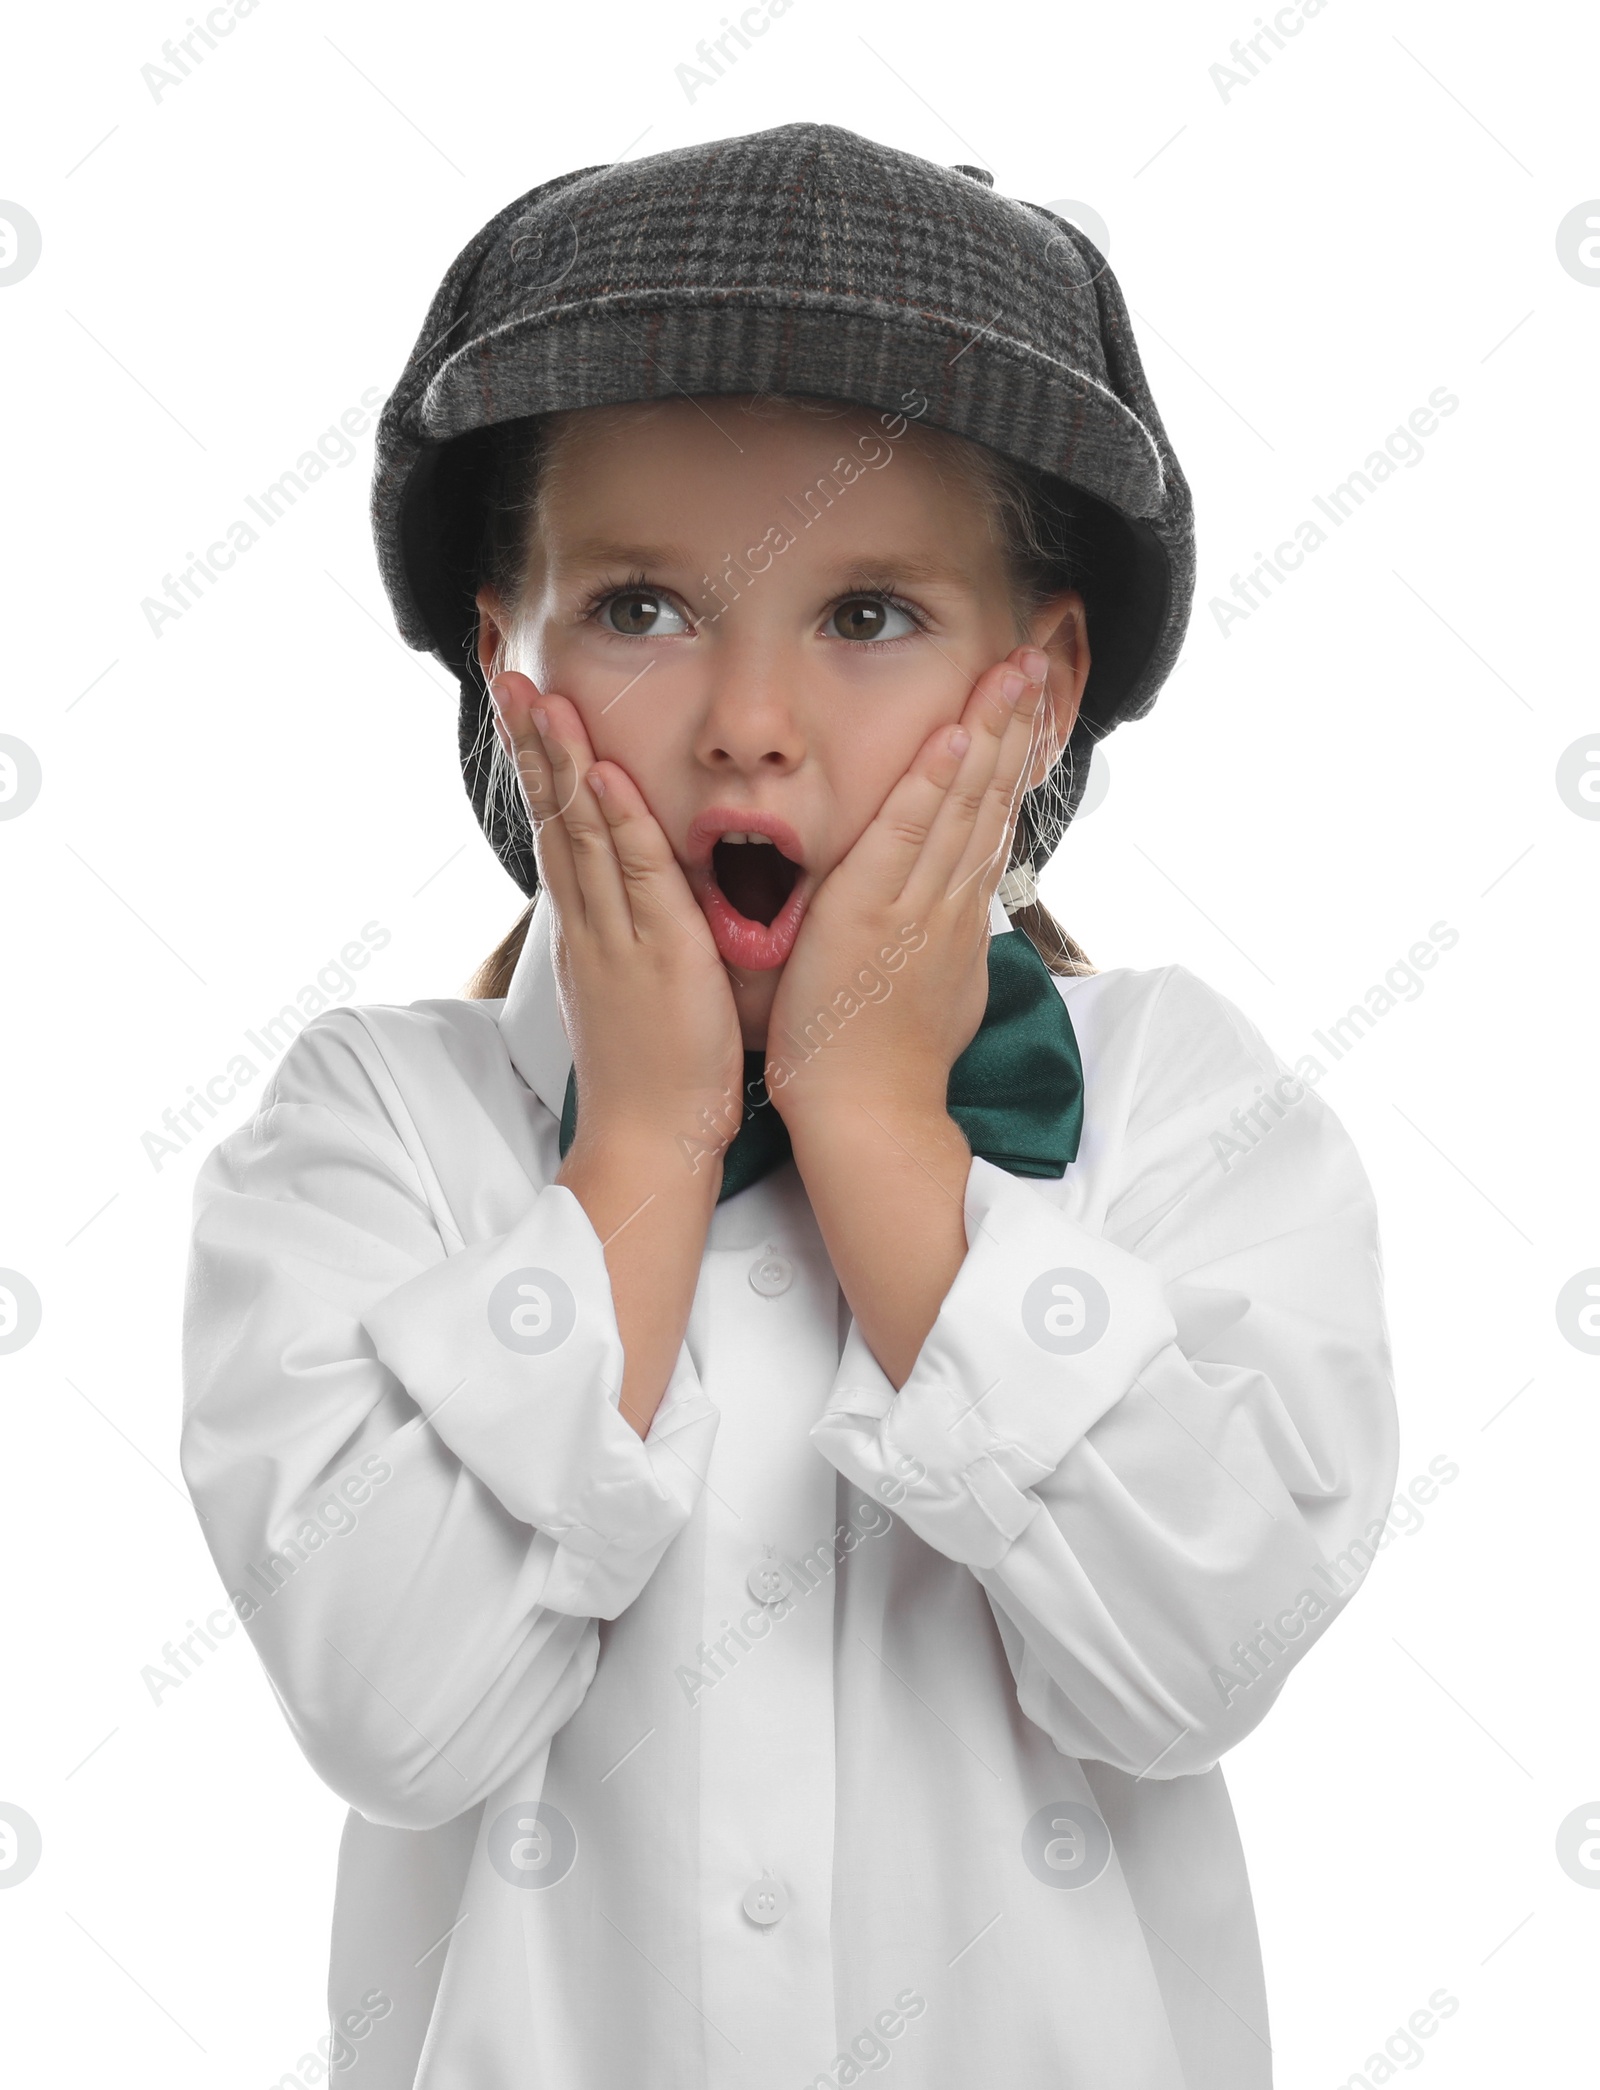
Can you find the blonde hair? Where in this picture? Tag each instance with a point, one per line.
(1043, 543)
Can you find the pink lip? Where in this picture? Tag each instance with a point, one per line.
(752, 946)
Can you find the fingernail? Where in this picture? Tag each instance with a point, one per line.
(1012, 685)
(1035, 664)
(541, 719)
(960, 740)
(596, 783)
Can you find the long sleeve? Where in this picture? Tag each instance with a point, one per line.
(1165, 1444)
(405, 1448)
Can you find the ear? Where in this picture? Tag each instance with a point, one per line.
(493, 629)
(1060, 629)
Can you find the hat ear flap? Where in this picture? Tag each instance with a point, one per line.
(440, 530)
(1153, 568)
(1142, 572)
(444, 504)
(1048, 810)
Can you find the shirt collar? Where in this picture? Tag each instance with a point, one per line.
(530, 1016)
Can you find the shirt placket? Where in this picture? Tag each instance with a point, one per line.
(766, 1654)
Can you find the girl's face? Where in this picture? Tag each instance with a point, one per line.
(762, 619)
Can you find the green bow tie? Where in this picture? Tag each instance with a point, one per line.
(1016, 1092)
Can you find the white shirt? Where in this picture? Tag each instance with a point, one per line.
(952, 1804)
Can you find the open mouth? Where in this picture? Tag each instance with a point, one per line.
(749, 875)
(755, 876)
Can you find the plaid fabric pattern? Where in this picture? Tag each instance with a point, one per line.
(802, 259)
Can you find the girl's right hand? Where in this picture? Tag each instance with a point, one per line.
(655, 1034)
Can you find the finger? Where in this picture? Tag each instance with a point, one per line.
(986, 850)
(570, 837)
(967, 824)
(891, 846)
(588, 835)
(515, 696)
(658, 893)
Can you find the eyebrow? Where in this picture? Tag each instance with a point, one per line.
(888, 570)
(607, 551)
(866, 571)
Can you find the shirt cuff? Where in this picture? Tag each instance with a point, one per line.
(1046, 1326)
(510, 1348)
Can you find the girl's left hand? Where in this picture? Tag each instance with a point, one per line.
(889, 977)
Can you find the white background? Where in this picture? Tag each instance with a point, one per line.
(225, 270)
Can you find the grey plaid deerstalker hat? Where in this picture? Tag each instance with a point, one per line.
(802, 259)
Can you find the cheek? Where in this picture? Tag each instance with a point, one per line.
(862, 757)
(633, 727)
(641, 738)
(862, 770)
(873, 739)
(623, 717)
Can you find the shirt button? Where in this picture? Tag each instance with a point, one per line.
(771, 1275)
(769, 1581)
(765, 1900)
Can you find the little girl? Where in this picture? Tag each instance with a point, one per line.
(763, 1452)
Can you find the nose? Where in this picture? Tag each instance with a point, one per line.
(750, 725)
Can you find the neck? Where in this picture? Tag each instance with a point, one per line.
(753, 994)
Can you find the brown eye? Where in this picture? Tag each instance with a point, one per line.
(865, 617)
(633, 613)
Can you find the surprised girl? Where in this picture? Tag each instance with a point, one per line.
(763, 1451)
